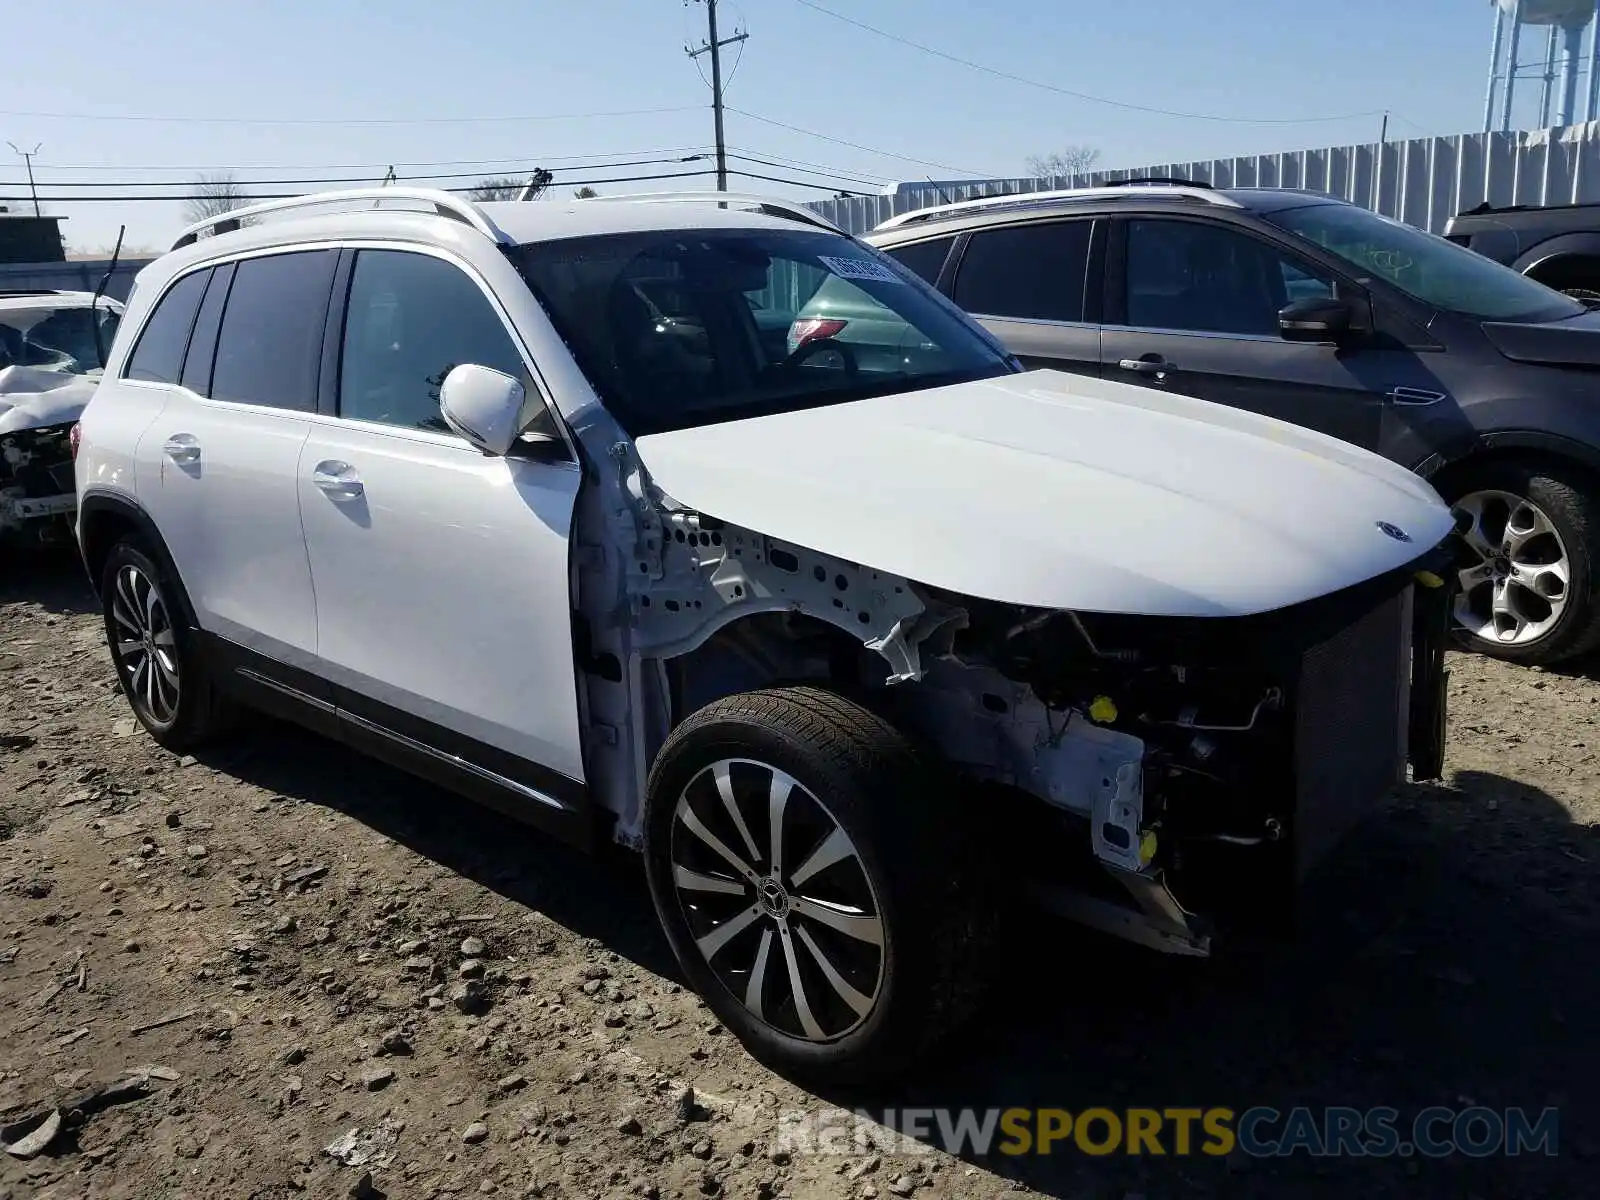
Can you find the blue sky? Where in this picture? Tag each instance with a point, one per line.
(378, 83)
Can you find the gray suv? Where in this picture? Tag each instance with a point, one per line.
(1306, 308)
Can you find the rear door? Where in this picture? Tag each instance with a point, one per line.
(228, 444)
(1029, 285)
(1193, 306)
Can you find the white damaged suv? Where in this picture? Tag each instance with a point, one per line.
(537, 501)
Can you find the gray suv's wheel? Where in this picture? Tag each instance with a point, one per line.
(808, 868)
(152, 648)
(1528, 586)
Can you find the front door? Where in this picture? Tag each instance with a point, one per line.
(441, 573)
(1195, 309)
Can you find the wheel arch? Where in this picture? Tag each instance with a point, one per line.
(1442, 468)
(1551, 254)
(104, 519)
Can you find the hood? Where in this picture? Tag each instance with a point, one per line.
(1571, 343)
(1061, 491)
(34, 398)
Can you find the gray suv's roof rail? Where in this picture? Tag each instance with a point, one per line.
(446, 204)
(1131, 189)
(789, 209)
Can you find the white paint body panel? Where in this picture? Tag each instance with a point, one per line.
(443, 588)
(1062, 491)
(231, 519)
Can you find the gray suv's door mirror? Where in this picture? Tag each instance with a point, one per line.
(1316, 319)
(483, 405)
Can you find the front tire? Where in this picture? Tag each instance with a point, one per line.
(807, 865)
(1529, 592)
(153, 650)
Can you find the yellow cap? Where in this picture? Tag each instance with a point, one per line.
(1103, 710)
(1429, 580)
(1147, 846)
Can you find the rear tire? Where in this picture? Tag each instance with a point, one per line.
(154, 651)
(847, 971)
(1530, 575)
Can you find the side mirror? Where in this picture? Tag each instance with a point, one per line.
(483, 405)
(1315, 319)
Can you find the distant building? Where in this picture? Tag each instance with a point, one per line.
(30, 239)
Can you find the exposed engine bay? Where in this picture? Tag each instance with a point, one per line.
(37, 499)
(1155, 775)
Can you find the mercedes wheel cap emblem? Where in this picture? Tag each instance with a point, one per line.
(1394, 531)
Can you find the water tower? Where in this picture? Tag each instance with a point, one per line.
(1562, 23)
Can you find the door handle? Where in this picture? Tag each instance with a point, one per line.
(338, 480)
(182, 448)
(1150, 364)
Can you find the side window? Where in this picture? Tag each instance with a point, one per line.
(203, 342)
(1034, 271)
(410, 319)
(269, 346)
(925, 258)
(159, 355)
(1199, 278)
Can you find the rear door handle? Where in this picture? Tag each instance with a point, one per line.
(1150, 364)
(182, 448)
(338, 480)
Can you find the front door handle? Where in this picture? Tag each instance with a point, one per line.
(338, 480)
(1149, 364)
(182, 448)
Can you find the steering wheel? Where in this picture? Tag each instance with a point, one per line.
(852, 365)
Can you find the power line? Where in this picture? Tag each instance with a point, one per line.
(789, 166)
(403, 177)
(1061, 91)
(821, 187)
(187, 120)
(824, 168)
(921, 162)
(165, 196)
(531, 160)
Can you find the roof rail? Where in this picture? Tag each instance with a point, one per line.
(1132, 188)
(444, 203)
(771, 207)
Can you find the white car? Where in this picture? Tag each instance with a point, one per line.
(51, 344)
(519, 496)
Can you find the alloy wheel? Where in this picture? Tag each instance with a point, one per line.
(144, 645)
(1514, 589)
(777, 899)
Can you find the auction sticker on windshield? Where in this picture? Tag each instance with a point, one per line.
(860, 268)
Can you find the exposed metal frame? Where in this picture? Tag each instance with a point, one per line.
(445, 204)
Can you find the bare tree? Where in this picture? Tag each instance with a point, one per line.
(212, 196)
(585, 193)
(508, 188)
(1071, 160)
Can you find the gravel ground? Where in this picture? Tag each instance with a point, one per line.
(285, 943)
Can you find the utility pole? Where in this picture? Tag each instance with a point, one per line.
(713, 46)
(27, 157)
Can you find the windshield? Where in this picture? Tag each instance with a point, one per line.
(691, 327)
(1425, 267)
(54, 339)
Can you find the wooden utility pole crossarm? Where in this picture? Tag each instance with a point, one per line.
(713, 46)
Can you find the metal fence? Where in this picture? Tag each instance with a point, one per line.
(1424, 181)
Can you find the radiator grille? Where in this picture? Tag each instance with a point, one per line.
(1351, 710)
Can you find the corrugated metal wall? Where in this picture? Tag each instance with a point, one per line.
(1425, 181)
(82, 275)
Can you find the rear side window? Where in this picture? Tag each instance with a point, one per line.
(924, 258)
(1034, 272)
(269, 348)
(203, 342)
(159, 355)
